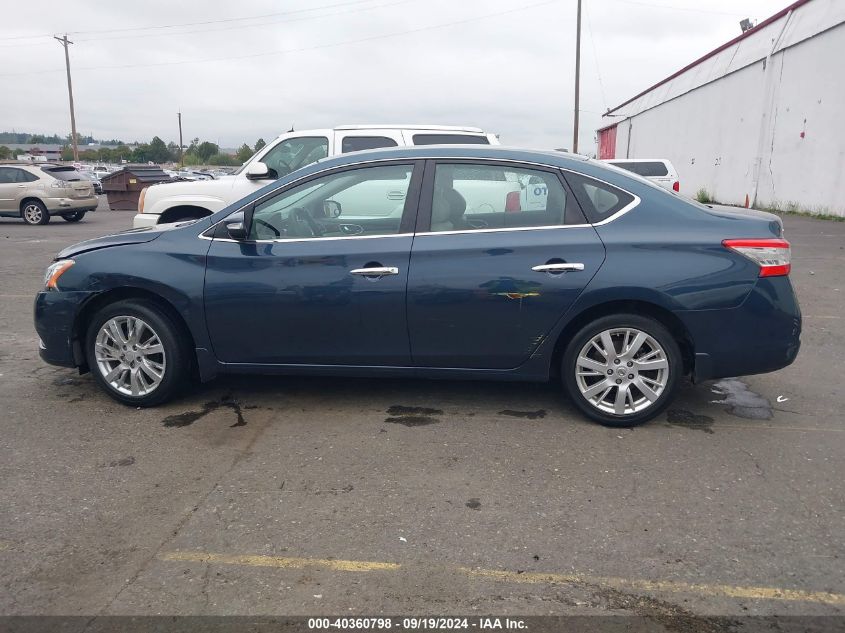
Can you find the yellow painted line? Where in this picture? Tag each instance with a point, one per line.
(669, 586)
(537, 578)
(282, 562)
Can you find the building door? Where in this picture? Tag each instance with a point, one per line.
(607, 142)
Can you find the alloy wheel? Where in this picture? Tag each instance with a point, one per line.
(130, 355)
(622, 371)
(33, 214)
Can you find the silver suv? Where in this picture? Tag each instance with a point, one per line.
(36, 192)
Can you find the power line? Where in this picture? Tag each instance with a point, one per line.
(205, 22)
(297, 50)
(596, 57)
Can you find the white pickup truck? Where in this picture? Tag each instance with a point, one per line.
(174, 202)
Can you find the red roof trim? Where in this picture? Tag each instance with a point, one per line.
(766, 22)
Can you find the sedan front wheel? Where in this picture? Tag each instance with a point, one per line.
(136, 353)
(622, 370)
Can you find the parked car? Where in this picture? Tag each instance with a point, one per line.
(175, 202)
(102, 170)
(658, 170)
(37, 192)
(95, 181)
(617, 286)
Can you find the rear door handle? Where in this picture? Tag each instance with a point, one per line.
(557, 268)
(375, 271)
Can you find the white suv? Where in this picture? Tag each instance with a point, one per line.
(174, 202)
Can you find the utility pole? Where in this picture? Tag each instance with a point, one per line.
(181, 163)
(64, 41)
(577, 79)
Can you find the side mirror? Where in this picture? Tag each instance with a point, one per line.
(236, 227)
(257, 171)
(332, 209)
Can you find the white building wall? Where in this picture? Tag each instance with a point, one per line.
(740, 134)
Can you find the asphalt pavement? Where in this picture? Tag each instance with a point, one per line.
(279, 495)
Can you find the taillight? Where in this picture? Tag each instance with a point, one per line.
(772, 255)
(512, 202)
(676, 186)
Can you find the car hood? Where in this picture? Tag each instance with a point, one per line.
(218, 188)
(133, 236)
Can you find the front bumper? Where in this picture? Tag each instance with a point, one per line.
(55, 316)
(761, 335)
(144, 220)
(57, 206)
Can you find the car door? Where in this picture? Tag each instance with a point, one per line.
(485, 289)
(8, 189)
(309, 287)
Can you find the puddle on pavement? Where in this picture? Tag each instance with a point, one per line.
(412, 416)
(189, 417)
(689, 420)
(741, 401)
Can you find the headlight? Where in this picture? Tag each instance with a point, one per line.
(54, 271)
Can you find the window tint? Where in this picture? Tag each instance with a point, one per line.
(25, 176)
(62, 173)
(293, 153)
(598, 200)
(8, 175)
(450, 139)
(366, 201)
(472, 197)
(650, 168)
(359, 143)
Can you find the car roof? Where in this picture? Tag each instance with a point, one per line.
(489, 152)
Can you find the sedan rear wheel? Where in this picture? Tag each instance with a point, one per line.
(622, 370)
(136, 353)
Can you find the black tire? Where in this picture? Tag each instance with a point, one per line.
(34, 212)
(73, 217)
(671, 378)
(176, 351)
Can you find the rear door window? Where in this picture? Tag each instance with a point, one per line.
(598, 200)
(450, 139)
(360, 143)
(651, 169)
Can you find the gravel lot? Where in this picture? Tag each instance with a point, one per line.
(274, 495)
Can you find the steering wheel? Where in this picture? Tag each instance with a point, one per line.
(268, 225)
(302, 216)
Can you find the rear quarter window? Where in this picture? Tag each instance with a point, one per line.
(644, 168)
(450, 139)
(598, 200)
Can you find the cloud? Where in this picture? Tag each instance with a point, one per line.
(431, 61)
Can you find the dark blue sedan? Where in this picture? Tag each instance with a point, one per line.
(435, 262)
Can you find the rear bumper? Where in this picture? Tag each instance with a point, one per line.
(55, 315)
(761, 335)
(57, 206)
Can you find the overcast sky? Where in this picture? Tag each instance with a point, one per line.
(252, 68)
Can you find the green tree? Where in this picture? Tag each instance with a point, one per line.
(5, 153)
(224, 160)
(158, 152)
(259, 144)
(243, 154)
(206, 150)
(67, 153)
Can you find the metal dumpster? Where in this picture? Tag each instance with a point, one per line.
(123, 187)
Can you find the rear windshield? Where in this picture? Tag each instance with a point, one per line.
(643, 168)
(450, 139)
(62, 173)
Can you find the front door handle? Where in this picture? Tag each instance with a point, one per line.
(557, 268)
(376, 271)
